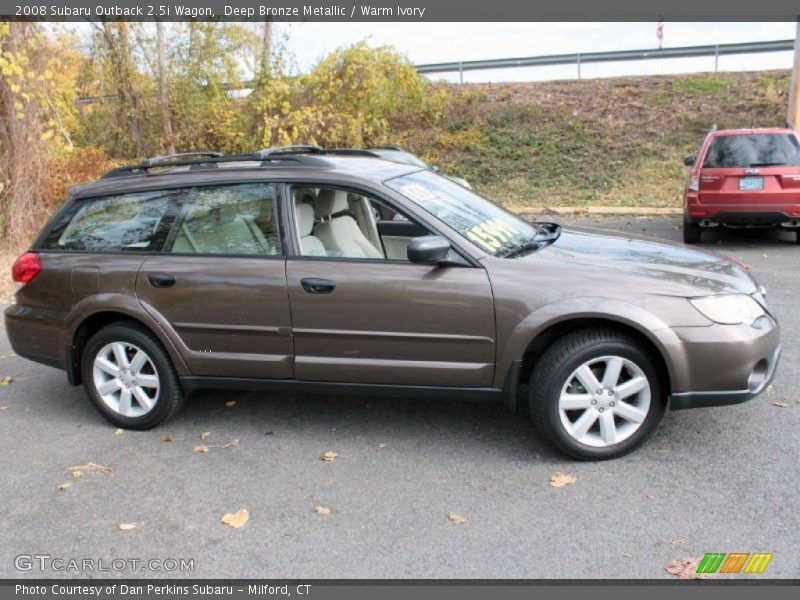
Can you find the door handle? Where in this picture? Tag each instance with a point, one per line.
(318, 286)
(161, 280)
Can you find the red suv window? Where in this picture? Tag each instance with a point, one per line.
(757, 150)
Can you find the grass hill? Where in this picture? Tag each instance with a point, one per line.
(613, 142)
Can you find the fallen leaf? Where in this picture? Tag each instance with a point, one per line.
(89, 468)
(237, 519)
(770, 388)
(686, 568)
(679, 540)
(128, 526)
(627, 555)
(230, 403)
(171, 437)
(457, 519)
(3, 407)
(558, 480)
(205, 435)
(203, 448)
(119, 432)
(383, 445)
(329, 456)
(64, 486)
(322, 510)
(6, 380)
(780, 404)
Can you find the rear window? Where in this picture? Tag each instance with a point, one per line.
(127, 222)
(760, 150)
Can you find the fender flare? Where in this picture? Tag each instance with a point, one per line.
(125, 305)
(644, 322)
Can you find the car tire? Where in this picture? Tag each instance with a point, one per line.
(692, 232)
(556, 390)
(140, 394)
(797, 237)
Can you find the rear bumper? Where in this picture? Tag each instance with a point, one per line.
(727, 364)
(33, 336)
(745, 217)
(752, 212)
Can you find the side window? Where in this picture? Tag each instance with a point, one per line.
(339, 223)
(128, 222)
(232, 219)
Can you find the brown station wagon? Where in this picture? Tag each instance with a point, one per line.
(322, 271)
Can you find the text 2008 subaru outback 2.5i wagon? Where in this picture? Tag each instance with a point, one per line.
(316, 272)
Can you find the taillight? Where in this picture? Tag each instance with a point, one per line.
(27, 267)
(694, 183)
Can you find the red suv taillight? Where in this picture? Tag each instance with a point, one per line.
(26, 268)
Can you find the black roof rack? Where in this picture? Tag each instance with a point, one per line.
(170, 158)
(211, 160)
(397, 148)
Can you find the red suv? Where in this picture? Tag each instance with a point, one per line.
(743, 178)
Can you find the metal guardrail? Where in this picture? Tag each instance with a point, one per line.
(580, 58)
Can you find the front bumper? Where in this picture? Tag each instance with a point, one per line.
(726, 364)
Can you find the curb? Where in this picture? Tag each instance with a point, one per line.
(639, 211)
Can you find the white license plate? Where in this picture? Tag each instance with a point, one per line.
(751, 183)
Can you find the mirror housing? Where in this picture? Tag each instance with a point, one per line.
(429, 250)
(690, 160)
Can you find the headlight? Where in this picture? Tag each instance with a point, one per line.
(734, 309)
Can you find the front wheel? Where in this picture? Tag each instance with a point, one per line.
(595, 394)
(129, 378)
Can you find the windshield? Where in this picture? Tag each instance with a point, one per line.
(495, 230)
(399, 156)
(728, 151)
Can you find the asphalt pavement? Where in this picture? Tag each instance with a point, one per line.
(710, 480)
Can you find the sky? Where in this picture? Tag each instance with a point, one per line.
(444, 42)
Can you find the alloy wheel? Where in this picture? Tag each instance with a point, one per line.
(604, 401)
(126, 379)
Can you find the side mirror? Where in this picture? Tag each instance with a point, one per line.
(428, 250)
(690, 160)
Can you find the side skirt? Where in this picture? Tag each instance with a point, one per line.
(192, 383)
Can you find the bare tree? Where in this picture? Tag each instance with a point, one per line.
(266, 48)
(129, 114)
(166, 122)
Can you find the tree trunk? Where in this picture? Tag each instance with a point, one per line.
(119, 53)
(266, 49)
(166, 122)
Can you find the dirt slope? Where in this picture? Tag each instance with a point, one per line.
(617, 142)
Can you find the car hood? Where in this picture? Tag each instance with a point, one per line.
(670, 269)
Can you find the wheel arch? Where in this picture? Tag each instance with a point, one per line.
(92, 321)
(561, 328)
(541, 328)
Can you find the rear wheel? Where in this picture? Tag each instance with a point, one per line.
(691, 232)
(129, 377)
(595, 394)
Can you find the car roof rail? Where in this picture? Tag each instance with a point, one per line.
(168, 158)
(397, 148)
(212, 162)
(280, 155)
(294, 149)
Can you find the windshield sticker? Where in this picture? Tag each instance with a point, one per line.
(418, 192)
(492, 234)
